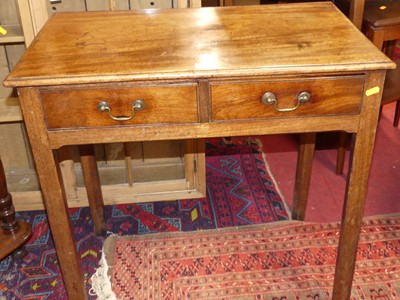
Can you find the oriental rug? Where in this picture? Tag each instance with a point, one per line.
(240, 191)
(294, 260)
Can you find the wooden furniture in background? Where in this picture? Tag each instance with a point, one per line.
(381, 24)
(15, 18)
(201, 73)
(18, 26)
(142, 171)
(391, 91)
(14, 151)
(13, 234)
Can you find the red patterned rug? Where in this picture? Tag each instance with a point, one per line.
(283, 260)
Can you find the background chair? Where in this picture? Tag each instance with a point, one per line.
(381, 24)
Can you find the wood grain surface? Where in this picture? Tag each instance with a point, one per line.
(106, 46)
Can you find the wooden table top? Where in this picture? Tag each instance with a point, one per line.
(90, 47)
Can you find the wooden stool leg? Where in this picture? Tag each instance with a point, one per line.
(93, 188)
(341, 154)
(303, 175)
(9, 223)
(397, 114)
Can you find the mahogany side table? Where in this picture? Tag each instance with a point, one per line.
(105, 77)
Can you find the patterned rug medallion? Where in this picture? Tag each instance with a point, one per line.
(240, 192)
(293, 261)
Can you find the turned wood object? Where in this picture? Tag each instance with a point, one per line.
(13, 234)
(9, 223)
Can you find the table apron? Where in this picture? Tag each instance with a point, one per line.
(94, 135)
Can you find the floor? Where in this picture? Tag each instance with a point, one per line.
(327, 189)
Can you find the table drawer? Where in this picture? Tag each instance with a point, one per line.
(239, 100)
(163, 104)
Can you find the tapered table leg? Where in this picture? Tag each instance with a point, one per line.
(356, 190)
(341, 154)
(93, 188)
(303, 175)
(48, 169)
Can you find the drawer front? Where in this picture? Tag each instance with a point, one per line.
(236, 100)
(79, 107)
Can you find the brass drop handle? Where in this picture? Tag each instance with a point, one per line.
(270, 98)
(136, 105)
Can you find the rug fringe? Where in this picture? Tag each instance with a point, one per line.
(101, 282)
